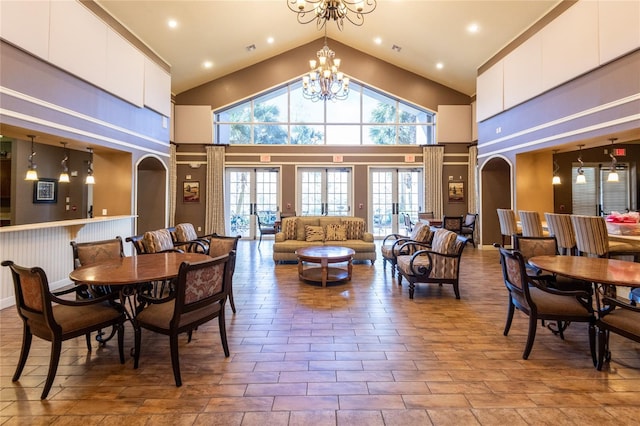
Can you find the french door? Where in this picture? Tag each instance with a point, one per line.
(392, 192)
(324, 191)
(248, 191)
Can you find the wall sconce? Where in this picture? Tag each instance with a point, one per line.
(556, 168)
(64, 174)
(90, 180)
(31, 170)
(613, 175)
(580, 179)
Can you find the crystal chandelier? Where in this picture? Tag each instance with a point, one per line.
(325, 81)
(327, 10)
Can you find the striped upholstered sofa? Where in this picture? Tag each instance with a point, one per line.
(306, 231)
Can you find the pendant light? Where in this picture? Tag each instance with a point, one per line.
(580, 179)
(90, 180)
(556, 168)
(64, 174)
(613, 175)
(32, 174)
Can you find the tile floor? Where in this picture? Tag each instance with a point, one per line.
(359, 353)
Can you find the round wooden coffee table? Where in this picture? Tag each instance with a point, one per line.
(324, 255)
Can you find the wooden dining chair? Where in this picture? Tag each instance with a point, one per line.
(469, 227)
(220, 245)
(200, 296)
(87, 253)
(619, 317)
(55, 319)
(540, 302)
(266, 224)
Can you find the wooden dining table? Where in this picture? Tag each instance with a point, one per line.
(593, 269)
(128, 274)
(134, 269)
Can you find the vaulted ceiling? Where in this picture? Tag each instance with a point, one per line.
(425, 33)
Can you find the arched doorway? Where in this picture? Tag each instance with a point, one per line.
(151, 200)
(495, 177)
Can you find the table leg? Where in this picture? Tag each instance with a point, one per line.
(325, 271)
(349, 269)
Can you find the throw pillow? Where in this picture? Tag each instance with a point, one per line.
(336, 232)
(289, 227)
(313, 233)
(444, 241)
(355, 229)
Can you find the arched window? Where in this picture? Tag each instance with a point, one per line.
(282, 116)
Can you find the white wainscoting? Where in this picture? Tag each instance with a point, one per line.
(47, 245)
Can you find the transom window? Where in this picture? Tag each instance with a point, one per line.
(282, 116)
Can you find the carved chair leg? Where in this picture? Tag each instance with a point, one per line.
(56, 347)
(27, 337)
(510, 310)
(531, 336)
(175, 360)
(223, 333)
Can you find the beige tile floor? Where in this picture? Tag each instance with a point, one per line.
(359, 353)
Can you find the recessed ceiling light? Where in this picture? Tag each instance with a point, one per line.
(172, 23)
(377, 40)
(207, 64)
(473, 28)
(439, 65)
(270, 40)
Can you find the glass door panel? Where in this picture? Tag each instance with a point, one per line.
(392, 192)
(325, 192)
(250, 191)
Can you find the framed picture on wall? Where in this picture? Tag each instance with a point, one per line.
(191, 192)
(45, 191)
(456, 192)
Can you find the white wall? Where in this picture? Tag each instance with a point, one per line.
(586, 36)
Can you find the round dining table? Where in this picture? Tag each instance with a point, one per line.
(129, 273)
(593, 269)
(134, 269)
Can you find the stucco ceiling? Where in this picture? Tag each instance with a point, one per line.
(426, 31)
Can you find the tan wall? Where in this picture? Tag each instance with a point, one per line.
(534, 190)
(114, 183)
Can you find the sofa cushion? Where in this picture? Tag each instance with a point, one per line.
(335, 232)
(328, 220)
(302, 222)
(355, 228)
(289, 228)
(314, 233)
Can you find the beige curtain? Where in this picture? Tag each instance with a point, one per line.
(173, 182)
(433, 157)
(472, 180)
(214, 209)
